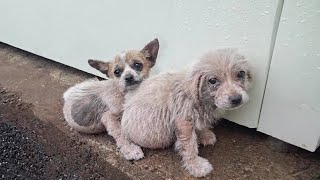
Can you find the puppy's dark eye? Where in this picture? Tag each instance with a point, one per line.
(241, 74)
(117, 72)
(213, 81)
(137, 66)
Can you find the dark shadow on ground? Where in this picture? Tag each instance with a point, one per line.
(32, 149)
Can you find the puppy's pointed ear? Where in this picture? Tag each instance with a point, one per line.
(151, 51)
(101, 66)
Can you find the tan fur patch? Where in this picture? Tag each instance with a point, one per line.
(133, 55)
(129, 58)
(115, 64)
(147, 57)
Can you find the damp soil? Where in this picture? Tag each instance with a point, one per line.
(33, 149)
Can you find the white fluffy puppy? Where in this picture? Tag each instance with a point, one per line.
(181, 107)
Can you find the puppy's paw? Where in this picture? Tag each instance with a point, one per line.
(131, 152)
(198, 167)
(207, 138)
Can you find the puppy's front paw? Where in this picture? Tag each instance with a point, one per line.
(207, 138)
(131, 152)
(198, 167)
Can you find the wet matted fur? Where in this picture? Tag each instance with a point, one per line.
(96, 106)
(179, 108)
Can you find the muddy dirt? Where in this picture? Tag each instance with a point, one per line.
(32, 149)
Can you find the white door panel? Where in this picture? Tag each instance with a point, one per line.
(291, 106)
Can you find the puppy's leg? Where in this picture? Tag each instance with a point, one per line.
(207, 137)
(187, 147)
(129, 150)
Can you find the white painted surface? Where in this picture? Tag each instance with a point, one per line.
(291, 107)
(70, 32)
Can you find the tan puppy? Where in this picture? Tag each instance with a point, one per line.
(181, 107)
(96, 106)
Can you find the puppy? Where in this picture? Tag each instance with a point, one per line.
(181, 107)
(96, 106)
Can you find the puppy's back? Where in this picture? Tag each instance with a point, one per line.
(86, 102)
(155, 89)
(82, 89)
(146, 116)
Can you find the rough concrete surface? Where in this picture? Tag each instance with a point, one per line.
(37, 144)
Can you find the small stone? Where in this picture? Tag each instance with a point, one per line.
(248, 169)
(152, 169)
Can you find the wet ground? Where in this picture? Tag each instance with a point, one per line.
(37, 144)
(33, 149)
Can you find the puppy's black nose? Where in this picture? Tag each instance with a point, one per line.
(235, 99)
(128, 77)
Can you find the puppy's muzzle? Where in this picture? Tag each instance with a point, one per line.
(129, 79)
(235, 100)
